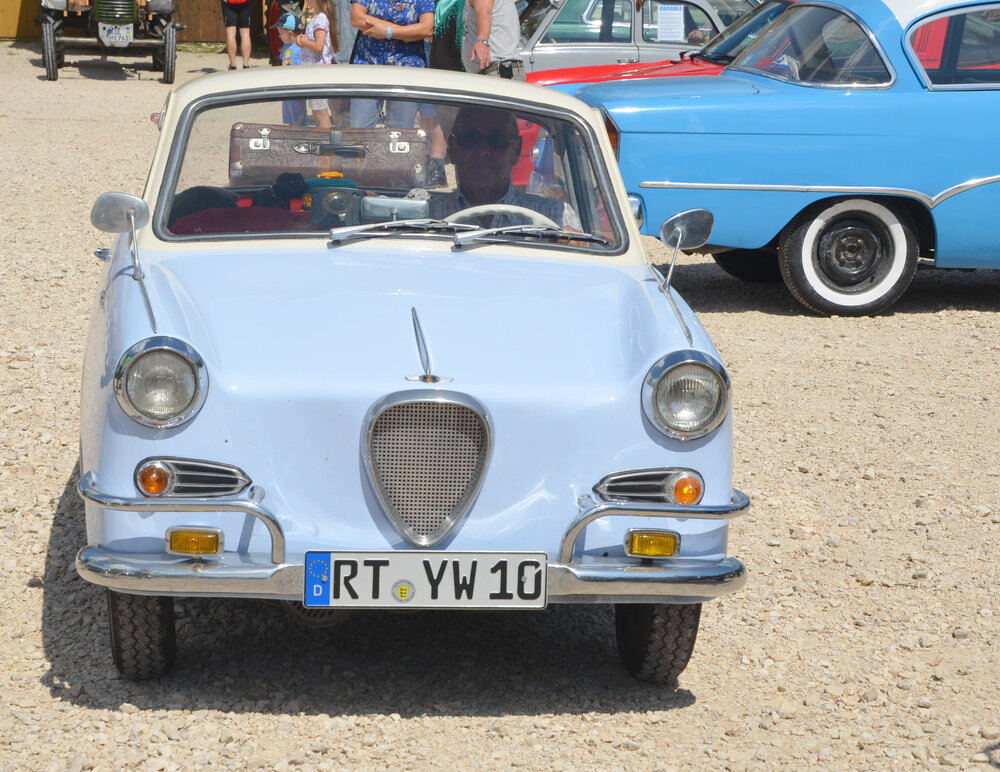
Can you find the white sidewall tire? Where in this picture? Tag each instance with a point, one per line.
(798, 252)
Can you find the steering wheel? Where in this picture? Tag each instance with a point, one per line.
(533, 217)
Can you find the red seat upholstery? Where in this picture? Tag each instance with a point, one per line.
(251, 219)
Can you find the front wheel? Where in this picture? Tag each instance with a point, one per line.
(854, 257)
(50, 57)
(759, 266)
(655, 640)
(143, 637)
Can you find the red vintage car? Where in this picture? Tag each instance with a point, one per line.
(708, 60)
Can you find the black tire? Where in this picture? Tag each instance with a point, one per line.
(169, 53)
(50, 57)
(853, 257)
(143, 639)
(755, 265)
(655, 640)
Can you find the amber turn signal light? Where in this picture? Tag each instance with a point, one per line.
(688, 489)
(193, 541)
(153, 479)
(651, 544)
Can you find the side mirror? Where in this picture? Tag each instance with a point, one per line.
(111, 212)
(687, 230)
(635, 204)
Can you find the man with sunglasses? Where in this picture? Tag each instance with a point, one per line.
(485, 145)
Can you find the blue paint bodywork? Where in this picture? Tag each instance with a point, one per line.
(300, 345)
(745, 128)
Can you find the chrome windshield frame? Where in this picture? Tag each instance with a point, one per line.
(828, 86)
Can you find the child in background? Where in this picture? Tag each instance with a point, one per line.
(319, 42)
(293, 111)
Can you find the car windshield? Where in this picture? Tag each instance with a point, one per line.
(816, 45)
(728, 44)
(265, 167)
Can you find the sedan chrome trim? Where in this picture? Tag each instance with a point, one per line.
(929, 201)
(162, 343)
(911, 31)
(678, 580)
(89, 491)
(837, 86)
(739, 502)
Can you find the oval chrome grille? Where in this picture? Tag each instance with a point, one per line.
(427, 459)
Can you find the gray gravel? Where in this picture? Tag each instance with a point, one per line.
(867, 635)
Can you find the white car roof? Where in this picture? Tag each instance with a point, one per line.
(908, 10)
(369, 75)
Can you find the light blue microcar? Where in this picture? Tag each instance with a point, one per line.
(332, 366)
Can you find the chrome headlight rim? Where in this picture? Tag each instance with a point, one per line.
(175, 346)
(661, 368)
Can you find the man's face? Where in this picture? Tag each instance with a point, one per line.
(484, 146)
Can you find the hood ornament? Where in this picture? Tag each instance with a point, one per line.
(425, 357)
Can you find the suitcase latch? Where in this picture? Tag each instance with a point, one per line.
(395, 146)
(262, 142)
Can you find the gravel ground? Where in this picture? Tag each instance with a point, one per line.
(867, 635)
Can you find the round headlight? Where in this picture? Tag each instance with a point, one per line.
(160, 382)
(686, 395)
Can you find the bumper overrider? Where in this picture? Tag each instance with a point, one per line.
(569, 580)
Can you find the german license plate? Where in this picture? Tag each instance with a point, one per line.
(425, 579)
(116, 35)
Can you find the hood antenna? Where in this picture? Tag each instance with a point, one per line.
(425, 356)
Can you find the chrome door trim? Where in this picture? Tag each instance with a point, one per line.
(929, 201)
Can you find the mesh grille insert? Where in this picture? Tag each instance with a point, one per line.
(427, 459)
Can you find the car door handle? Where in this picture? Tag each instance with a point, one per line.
(628, 61)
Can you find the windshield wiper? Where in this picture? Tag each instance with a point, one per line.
(540, 231)
(722, 59)
(392, 227)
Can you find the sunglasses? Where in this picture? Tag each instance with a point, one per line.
(471, 139)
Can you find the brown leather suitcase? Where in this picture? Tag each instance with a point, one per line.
(379, 157)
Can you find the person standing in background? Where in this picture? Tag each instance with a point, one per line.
(490, 37)
(345, 32)
(318, 43)
(446, 48)
(390, 32)
(236, 15)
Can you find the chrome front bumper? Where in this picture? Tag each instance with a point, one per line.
(583, 580)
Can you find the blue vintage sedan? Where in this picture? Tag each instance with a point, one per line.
(319, 372)
(845, 144)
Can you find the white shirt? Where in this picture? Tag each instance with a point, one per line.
(505, 34)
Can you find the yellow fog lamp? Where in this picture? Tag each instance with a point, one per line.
(194, 541)
(651, 544)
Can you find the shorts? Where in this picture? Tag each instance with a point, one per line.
(236, 14)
